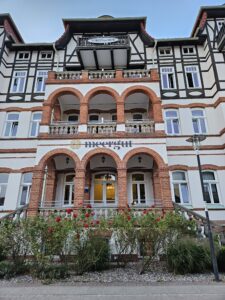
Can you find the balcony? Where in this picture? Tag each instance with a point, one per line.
(221, 38)
(142, 126)
(130, 75)
(63, 128)
(100, 128)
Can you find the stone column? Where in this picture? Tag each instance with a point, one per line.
(122, 187)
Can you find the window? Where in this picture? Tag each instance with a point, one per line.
(46, 54)
(192, 77)
(114, 118)
(23, 55)
(180, 187)
(35, 122)
(73, 118)
(188, 50)
(198, 121)
(68, 190)
(172, 122)
(18, 81)
(138, 188)
(11, 125)
(137, 117)
(220, 24)
(165, 51)
(3, 186)
(93, 118)
(25, 189)
(210, 187)
(168, 78)
(40, 81)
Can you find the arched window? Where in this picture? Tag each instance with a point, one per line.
(210, 187)
(180, 187)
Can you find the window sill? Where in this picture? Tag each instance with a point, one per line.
(215, 206)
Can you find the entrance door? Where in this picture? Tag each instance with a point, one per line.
(68, 190)
(104, 188)
(138, 188)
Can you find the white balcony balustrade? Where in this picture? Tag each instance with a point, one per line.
(142, 126)
(63, 128)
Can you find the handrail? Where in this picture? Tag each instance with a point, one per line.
(17, 212)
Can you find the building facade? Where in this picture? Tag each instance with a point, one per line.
(102, 116)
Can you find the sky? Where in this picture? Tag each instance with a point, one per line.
(41, 20)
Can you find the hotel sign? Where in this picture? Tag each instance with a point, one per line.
(103, 40)
(116, 145)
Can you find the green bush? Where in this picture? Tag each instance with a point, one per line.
(2, 253)
(188, 256)
(221, 259)
(8, 269)
(50, 271)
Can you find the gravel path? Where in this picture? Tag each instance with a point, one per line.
(119, 276)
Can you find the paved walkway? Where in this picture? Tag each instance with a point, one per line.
(125, 292)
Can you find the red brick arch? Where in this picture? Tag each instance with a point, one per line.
(42, 163)
(154, 100)
(94, 152)
(101, 90)
(53, 97)
(143, 150)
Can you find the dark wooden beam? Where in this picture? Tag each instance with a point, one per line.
(112, 58)
(96, 60)
(80, 59)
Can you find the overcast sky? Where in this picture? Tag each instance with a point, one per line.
(41, 20)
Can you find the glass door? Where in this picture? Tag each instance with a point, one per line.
(68, 190)
(138, 189)
(104, 188)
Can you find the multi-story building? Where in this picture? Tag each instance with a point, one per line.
(102, 116)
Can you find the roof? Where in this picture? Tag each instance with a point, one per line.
(212, 11)
(13, 32)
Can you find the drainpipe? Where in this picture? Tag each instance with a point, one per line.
(57, 57)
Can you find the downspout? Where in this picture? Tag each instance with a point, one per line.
(57, 57)
(153, 53)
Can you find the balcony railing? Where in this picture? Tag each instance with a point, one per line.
(100, 41)
(101, 74)
(100, 128)
(69, 75)
(136, 73)
(142, 126)
(221, 38)
(62, 128)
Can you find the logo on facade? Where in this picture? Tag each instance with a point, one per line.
(75, 144)
(116, 145)
(103, 40)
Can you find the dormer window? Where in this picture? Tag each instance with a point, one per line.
(23, 55)
(220, 24)
(188, 50)
(165, 51)
(46, 55)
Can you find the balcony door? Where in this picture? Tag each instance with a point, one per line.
(104, 189)
(138, 188)
(68, 194)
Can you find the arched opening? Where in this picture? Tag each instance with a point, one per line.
(65, 115)
(102, 114)
(101, 181)
(140, 168)
(138, 113)
(58, 182)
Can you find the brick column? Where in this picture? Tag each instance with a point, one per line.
(122, 187)
(50, 187)
(57, 113)
(166, 195)
(36, 192)
(157, 112)
(79, 185)
(156, 189)
(120, 112)
(46, 115)
(83, 113)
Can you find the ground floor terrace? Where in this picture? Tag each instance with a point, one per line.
(101, 179)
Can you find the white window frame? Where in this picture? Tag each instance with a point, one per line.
(43, 78)
(171, 119)
(199, 118)
(209, 183)
(20, 78)
(4, 185)
(192, 72)
(180, 182)
(163, 50)
(23, 184)
(36, 123)
(69, 115)
(46, 53)
(71, 190)
(23, 53)
(168, 71)
(188, 50)
(90, 115)
(11, 125)
(138, 183)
